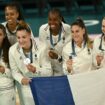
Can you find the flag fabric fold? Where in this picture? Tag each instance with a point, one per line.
(80, 89)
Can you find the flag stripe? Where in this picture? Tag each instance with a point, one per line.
(88, 88)
(83, 89)
(51, 91)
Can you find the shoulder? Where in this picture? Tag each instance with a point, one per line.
(66, 29)
(44, 26)
(67, 46)
(4, 24)
(97, 39)
(13, 48)
(66, 26)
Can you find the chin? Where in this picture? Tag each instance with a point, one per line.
(22, 46)
(10, 23)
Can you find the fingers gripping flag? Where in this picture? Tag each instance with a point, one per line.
(80, 89)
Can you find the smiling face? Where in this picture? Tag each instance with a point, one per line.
(54, 21)
(11, 15)
(23, 38)
(77, 33)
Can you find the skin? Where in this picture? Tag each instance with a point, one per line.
(24, 41)
(11, 16)
(23, 38)
(54, 22)
(77, 33)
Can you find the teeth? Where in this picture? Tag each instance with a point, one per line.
(52, 26)
(9, 20)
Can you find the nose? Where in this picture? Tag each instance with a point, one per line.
(51, 22)
(74, 33)
(8, 17)
(20, 40)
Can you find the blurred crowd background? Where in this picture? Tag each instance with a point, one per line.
(36, 12)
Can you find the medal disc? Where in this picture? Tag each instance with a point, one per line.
(27, 61)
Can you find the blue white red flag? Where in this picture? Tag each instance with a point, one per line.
(79, 89)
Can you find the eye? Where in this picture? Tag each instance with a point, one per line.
(72, 31)
(77, 31)
(6, 14)
(103, 26)
(24, 37)
(18, 37)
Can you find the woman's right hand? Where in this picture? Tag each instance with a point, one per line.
(2, 69)
(25, 81)
(99, 59)
(69, 65)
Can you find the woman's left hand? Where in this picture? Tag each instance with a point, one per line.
(53, 55)
(2, 69)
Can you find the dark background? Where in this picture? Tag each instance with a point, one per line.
(36, 12)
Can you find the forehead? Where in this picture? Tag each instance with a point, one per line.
(75, 27)
(53, 14)
(10, 8)
(22, 33)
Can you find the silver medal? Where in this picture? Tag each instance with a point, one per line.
(27, 61)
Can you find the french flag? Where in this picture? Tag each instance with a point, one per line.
(79, 89)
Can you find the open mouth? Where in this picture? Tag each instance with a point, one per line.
(52, 26)
(9, 20)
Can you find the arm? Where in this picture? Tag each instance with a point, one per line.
(67, 63)
(97, 56)
(17, 75)
(44, 65)
(42, 36)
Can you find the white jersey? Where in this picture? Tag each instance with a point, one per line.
(7, 88)
(12, 35)
(82, 61)
(99, 42)
(6, 77)
(45, 40)
(19, 69)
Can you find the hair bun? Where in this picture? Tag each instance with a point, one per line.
(22, 23)
(79, 19)
(23, 26)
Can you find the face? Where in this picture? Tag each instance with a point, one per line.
(11, 15)
(1, 36)
(103, 26)
(77, 33)
(54, 21)
(23, 38)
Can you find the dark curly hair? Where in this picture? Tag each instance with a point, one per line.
(5, 45)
